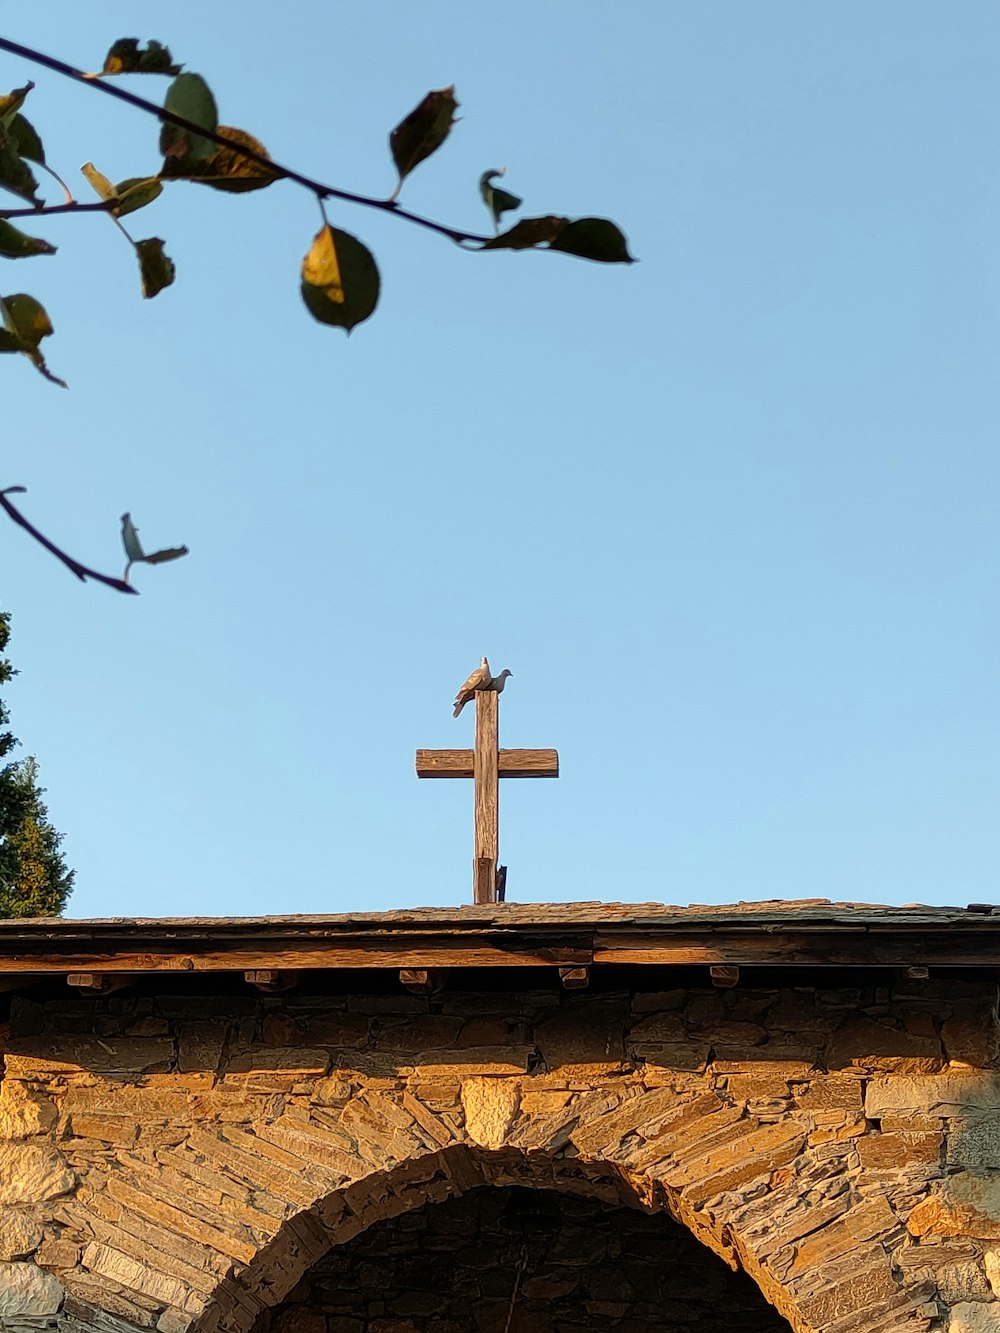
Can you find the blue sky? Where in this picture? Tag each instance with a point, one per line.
(729, 514)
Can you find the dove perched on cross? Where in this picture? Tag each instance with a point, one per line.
(479, 680)
(486, 764)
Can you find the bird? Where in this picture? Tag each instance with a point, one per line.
(135, 553)
(481, 679)
(498, 682)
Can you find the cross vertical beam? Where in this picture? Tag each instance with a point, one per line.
(487, 797)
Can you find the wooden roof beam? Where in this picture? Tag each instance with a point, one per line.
(423, 980)
(272, 981)
(99, 983)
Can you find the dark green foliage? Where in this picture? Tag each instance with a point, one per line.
(190, 97)
(16, 244)
(157, 269)
(15, 174)
(25, 324)
(25, 139)
(34, 880)
(496, 200)
(588, 238)
(128, 57)
(423, 131)
(593, 238)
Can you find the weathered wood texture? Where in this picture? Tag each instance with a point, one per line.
(575, 978)
(423, 980)
(99, 983)
(487, 786)
(486, 764)
(806, 935)
(510, 764)
(271, 982)
(418, 954)
(724, 974)
(484, 879)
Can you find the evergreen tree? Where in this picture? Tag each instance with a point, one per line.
(34, 880)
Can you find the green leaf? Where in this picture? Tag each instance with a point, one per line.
(26, 318)
(423, 131)
(496, 200)
(15, 174)
(127, 57)
(168, 553)
(340, 279)
(226, 168)
(25, 140)
(26, 323)
(11, 103)
(189, 96)
(128, 195)
(594, 238)
(15, 244)
(156, 268)
(589, 238)
(135, 193)
(100, 184)
(528, 233)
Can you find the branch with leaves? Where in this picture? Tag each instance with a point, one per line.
(130, 541)
(82, 572)
(340, 280)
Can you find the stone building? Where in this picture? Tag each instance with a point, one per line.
(503, 1119)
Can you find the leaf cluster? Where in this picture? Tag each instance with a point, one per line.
(340, 280)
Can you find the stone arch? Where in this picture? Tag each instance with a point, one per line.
(433, 1177)
(173, 1166)
(501, 1258)
(730, 1180)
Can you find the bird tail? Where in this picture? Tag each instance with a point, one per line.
(459, 705)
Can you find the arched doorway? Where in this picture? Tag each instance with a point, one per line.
(517, 1260)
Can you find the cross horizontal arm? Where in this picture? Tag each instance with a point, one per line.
(512, 763)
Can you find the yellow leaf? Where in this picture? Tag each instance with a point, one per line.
(102, 186)
(321, 268)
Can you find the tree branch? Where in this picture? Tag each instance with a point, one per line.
(47, 210)
(276, 168)
(81, 571)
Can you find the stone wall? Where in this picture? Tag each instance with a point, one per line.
(185, 1161)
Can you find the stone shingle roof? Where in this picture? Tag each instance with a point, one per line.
(770, 914)
(805, 933)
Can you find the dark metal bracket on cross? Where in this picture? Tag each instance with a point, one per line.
(486, 764)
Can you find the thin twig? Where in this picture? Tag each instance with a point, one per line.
(56, 177)
(47, 210)
(82, 572)
(261, 159)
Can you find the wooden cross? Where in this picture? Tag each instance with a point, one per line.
(486, 764)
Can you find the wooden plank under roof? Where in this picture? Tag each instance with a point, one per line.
(809, 934)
